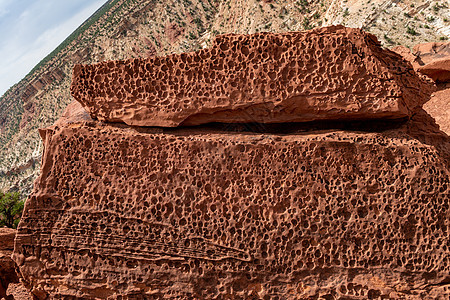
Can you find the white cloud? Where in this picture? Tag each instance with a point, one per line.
(3, 11)
(4, 4)
(42, 26)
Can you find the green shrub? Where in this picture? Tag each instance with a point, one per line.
(346, 12)
(307, 23)
(388, 39)
(411, 31)
(11, 207)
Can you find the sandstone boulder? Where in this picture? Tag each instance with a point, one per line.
(433, 60)
(429, 52)
(206, 212)
(7, 266)
(438, 70)
(324, 74)
(350, 209)
(439, 107)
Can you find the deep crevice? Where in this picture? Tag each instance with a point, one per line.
(377, 125)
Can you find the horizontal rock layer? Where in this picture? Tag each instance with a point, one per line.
(202, 213)
(323, 74)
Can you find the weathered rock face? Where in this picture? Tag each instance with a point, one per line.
(240, 211)
(7, 267)
(438, 70)
(74, 113)
(429, 52)
(325, 74)
(204, 213)
(439, 107)
(433, 60)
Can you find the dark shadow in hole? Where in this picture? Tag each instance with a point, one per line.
(297, 127)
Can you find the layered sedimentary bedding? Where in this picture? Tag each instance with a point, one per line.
(325, 74)
(241, 211)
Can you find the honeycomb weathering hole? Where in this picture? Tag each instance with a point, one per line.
(243, 211)
(203, 215)
(324, 74)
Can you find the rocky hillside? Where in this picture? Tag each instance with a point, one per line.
(129, 28)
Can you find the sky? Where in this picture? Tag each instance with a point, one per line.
(31, 29)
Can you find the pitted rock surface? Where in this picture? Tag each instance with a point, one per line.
(324, 74)
(320, 210)
(204, 213)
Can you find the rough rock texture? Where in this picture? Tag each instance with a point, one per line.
(322, 210)
(439, 107)
(429, 52)
(7, 272)
(329, 73)
(214, 212)
(438, 70)
(433, 60)
(17, 291)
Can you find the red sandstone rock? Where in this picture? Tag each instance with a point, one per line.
(406, 53)
(73, 113)
(7, 266)
(17, 291)
(204, 213)
(431, 59)
(438, 70)
(324, 74)
(290, 211)
(7, 239)
(439, 107)
(430, 52)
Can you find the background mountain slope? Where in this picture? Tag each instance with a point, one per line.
(128, 28)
